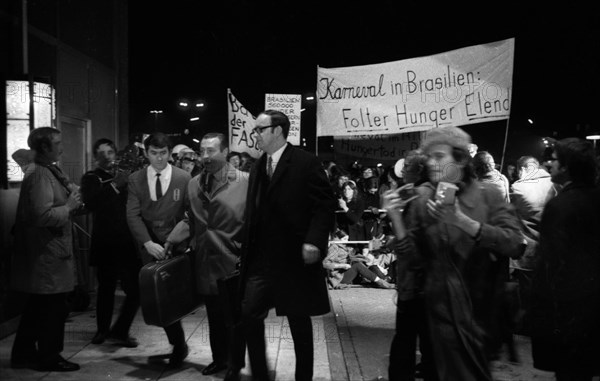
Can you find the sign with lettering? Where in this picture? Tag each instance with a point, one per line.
(241, 122)
(290, 105)
(463, 86)
(377, 147)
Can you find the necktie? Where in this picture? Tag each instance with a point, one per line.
(270, 167)
(159, 192)
(208, 181)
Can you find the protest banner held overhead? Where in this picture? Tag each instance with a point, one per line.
(380, 148)
(463, 86)
(241, 122)
(290, 105)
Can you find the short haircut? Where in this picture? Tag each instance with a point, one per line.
(220, 136)
(526, 161)
(101, 141)
(579, 157)
(279, 119)
(232, 154)
(481, 165)
(40, 137)
(158, 140)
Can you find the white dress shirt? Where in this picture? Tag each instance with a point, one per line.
(276, 156)
(165, 180)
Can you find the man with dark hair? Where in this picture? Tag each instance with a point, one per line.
(566, 286)
(289, 215)
(155, 204)
(42, 264)
(113, 252)
(216, 202)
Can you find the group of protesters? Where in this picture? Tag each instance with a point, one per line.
(454, 232)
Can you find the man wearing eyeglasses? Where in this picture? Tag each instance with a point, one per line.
(289, 214)
(215, 209)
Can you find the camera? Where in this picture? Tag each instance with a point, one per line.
(446, 193)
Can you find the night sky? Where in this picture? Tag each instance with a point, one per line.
(184, 50)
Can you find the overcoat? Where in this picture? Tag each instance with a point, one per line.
(42, 261)
(299, 208)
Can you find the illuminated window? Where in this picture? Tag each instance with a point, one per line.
(19, 120)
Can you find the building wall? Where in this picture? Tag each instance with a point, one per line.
(81, 48)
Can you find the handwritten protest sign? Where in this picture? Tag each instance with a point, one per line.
(463, 86)
(241, 123)
(290, 105)
(377, 147)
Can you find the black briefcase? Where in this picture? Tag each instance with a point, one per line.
(167, 292)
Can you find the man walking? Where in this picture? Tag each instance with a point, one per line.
(289, 216)
(155, 204)
(217, 198)
(113, 251)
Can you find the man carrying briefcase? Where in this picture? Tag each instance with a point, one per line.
(155, 204)
(217, 199)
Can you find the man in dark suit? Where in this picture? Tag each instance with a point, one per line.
(113, 253)
(289, 215)
(155, 204)
(565, 303)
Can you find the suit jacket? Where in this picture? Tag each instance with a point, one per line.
(153, 220)
(111, 240)
(42, 261)
(299, 208)
(215, 221)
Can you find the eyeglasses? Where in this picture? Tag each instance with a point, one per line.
(259, 129)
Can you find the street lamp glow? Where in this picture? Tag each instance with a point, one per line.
(196, 140)
(530, 121)
(183, 104)
(310, 98)
(593, 137)
(194, 119)
(199, 104)
(156, 111)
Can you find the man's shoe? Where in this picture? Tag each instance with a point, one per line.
(123, 341)
(99, 337)
(61, 365)
(232, 375)
(213, 367)
(383, 284)
(179, 354)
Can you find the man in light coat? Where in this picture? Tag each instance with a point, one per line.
(217, 199)
(42, 264)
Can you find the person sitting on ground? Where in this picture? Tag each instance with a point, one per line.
(344, 268)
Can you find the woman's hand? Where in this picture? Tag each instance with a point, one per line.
(342, 204)
(393, 203)
(452, 215)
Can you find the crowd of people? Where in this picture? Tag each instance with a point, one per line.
(443, 226)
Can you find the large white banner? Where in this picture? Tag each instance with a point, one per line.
(241, 123)
(463, 86)
(377, 147)
(290, 105)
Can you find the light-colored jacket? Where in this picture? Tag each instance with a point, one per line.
(530, 194)
(216, 221)
(42, 261)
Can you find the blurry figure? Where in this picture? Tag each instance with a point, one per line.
(486, 172)
(113, 251)
(339, 180)
(188, 161)
(42, 262)
(234, 159)
(452, 266)
(388, 180)
(174, 158)
(532, 190)
(565, 318)
(473, 148)
(246, 162)
(414, 170)
(511, 173)
(371, 217)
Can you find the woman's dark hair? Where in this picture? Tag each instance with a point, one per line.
(352, 186)
(415, 167)
(372, 182)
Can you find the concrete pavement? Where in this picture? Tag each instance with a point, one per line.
(351, 343)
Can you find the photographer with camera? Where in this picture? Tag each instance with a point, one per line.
(113, 251)
(453, 247)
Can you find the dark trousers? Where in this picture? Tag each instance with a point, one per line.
(356, 269)
(411, 323)
(41, 332)
(220, 339)
(258, 299)
(175, 334)
(108, 275)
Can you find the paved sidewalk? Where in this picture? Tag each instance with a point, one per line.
(351, 343)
